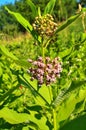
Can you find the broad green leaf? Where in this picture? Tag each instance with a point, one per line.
(76, 124)
(50, 6)
(68, 106)
(7, 53)
(33, 7)
(12, 116)
(25, 128)
(45, 92)
(41, 122)
(68, 22)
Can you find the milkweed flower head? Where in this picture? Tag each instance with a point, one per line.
(45, 71)
(45, 25)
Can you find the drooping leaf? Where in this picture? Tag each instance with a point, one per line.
(21, 20)
(49, 7)
(25, 24)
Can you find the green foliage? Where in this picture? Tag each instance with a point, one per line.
(68, 22)
(29, 9)
(33, 8)
(13, 117)
(50, 6)
(20, 19)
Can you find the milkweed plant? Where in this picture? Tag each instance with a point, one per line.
(52, 106)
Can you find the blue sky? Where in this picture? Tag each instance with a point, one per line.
(2, 2)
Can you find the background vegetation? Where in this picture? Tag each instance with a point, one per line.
(62, 10)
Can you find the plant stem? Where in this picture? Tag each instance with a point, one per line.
(83, 21)
(43, 49)
(54, 119)
(43, 53)
(50, 92)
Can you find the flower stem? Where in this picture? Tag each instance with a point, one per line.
(54, 119)
(50, 93)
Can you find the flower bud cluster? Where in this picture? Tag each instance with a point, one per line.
(45, 25)
(45, 71)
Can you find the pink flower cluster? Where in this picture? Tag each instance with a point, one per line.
(45, 71)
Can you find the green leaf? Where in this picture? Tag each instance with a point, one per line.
(5, 95)
(49, 7)
(68, 106)
(7, 53)
(83, 37)
(12, 116)
(21, 20)
(76, 124)
(39, 120)
(39, 12)
(44, 91)
(65, 53)
(25, 128)
(76, 84)
(25, 24)
(37, 96)
(83, 10)
(67, 23)
(33, 8)
(1, 71)
(22, 62)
